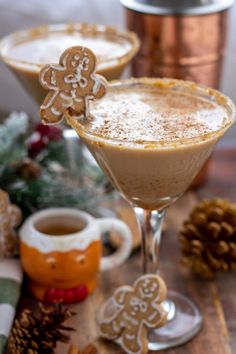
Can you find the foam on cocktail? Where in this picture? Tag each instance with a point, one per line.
(152, 136)
(150, 113)
(48, 48)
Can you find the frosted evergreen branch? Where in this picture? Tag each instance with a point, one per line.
(14, 126)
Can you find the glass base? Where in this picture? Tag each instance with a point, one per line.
(184, 322)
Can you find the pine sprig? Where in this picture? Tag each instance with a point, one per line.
(53, 190)
(12, 134)
(14, 126)
(66, 175)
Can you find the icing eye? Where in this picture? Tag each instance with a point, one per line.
(52, 262)
(80, 258)
(143, 307)
(83, 82)
(74, 63)
(69, 79)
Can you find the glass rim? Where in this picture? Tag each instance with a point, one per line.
(22, 36)
(175, 84)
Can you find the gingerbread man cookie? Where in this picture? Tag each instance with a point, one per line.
(10, 217)
(71, 85)
(127, 315)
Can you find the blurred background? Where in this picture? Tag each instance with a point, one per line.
(15, 15)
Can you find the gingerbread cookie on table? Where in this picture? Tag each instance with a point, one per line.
(71, 85)
(10, 217)
(131, 311)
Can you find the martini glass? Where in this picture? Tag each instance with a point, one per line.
(26, 51)
(151, 175)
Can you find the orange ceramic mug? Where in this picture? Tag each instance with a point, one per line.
(61, 250)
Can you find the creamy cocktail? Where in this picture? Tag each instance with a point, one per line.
(25, 52)
(151, 137)
(151, 140)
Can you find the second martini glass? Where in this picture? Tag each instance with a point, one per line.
(26, 51)
(151, 137)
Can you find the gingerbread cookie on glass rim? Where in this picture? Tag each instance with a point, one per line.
(71, 85)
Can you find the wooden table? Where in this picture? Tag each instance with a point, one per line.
(216, 299)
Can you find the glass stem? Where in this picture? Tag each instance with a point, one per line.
(150, 225)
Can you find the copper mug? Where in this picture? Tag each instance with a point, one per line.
(184, 39)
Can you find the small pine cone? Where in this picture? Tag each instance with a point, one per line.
(28, 169)
(208, 238)
(38, 333)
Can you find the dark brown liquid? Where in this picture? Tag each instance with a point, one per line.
(58, 230)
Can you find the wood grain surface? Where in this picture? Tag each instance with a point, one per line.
(215, 299)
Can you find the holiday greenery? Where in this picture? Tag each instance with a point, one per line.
(47, 167)
(12, 132)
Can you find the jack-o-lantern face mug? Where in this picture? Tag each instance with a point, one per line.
(61, 252)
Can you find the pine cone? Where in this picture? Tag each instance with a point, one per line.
(37, 334)
(208, 238)
(28, 169)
